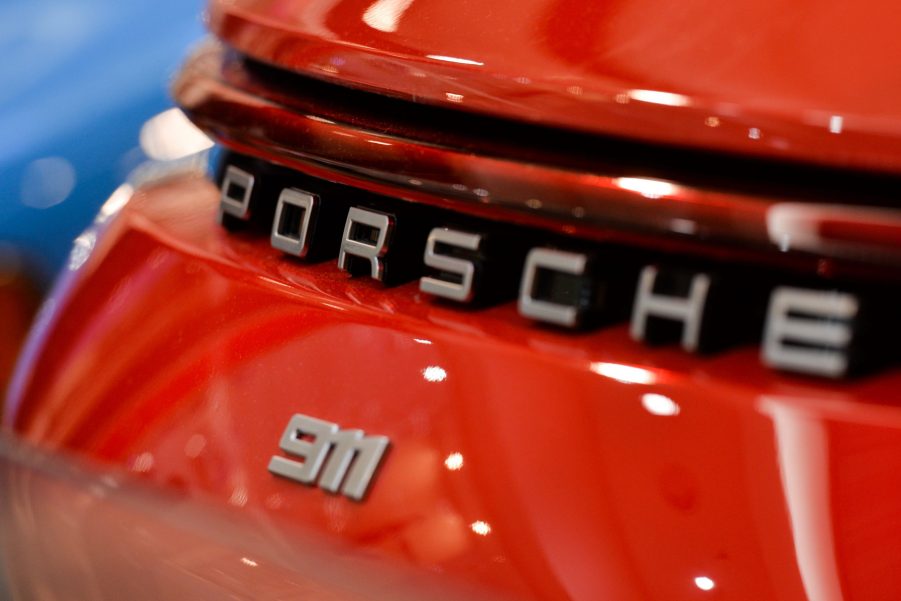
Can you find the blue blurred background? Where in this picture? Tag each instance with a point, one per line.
(78, 79)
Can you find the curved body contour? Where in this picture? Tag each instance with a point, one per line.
(810, 81)
(525, 461)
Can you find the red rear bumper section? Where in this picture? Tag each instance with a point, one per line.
(200, 414)
(83, 532)
(523, 460)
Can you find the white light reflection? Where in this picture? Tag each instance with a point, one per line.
(422, 341)
(454, 97)
(836, 122)
(454, 461)
(238, 497)
(802, 445)
(274, 501)
(454, 59)
(143, 463)
(433, 373)
(658, 404)
(118, 199)
(81, 250)
(792, 225)
(171, 135)
(380, 143)
(754, 133)
(334, 306)
(683, 226)
(249, 562)
(649, 188)
(384, 15)
(657, 97)
(626, 374)
(704, 583)
(481, 528)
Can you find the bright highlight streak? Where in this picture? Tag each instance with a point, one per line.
(117, 200)
(649, 188)
(143, 463)
(249, 562)
(657, 404)
(704, 583)
(454, 59)
(836, 122)
(454, 461)
(171, 135)
(81, 252)
(481, 528)
(624, 373)
(384, 15)
(433, 373)
(656, 97)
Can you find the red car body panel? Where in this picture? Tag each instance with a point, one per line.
(578, 194)
(807, 81)
(182, 350)
(81, 531)
(525, 461)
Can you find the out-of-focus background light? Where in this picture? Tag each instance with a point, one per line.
(79, 81)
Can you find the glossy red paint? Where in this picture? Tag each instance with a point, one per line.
(589, 466)
(576, 196)
(80, 531)
(808, 80)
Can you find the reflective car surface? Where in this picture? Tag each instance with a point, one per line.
(609, 330)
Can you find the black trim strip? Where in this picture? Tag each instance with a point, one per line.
(611, 156)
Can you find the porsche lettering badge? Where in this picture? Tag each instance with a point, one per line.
(822, 330)
(330, 455)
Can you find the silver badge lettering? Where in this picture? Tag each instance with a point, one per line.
(237, 187)
(546, 310)
(804, 331)
(291, 226)
(689, 310)
(460, 288)
(346, 456)
(366, 236)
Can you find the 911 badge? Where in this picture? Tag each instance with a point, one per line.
(331, 456)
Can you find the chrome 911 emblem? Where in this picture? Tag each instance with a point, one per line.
(330, 455)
